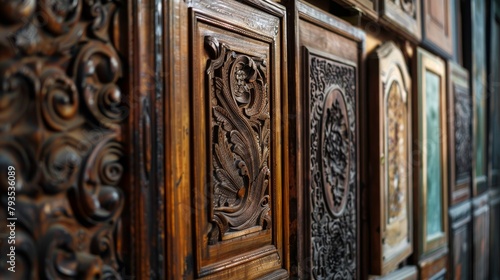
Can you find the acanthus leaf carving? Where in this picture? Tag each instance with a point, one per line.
(241, 139)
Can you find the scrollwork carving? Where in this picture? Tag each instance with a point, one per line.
(332, 90)
(241, 141)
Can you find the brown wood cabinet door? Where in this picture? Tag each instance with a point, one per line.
(437, 29)
(236, 107)
(325, 222)
(390, 185)
(460, 241)
(494, 139)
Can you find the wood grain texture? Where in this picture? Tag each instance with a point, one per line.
(391, 183)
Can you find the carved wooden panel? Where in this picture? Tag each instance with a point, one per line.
(481, 230)
(430, 155)
(437, 25)
(475, 54)
(434, 266)
(402, 16)
(460, 133)
(460, 241)
(326, 186)
(390, 184)
(236, 140)
(63, 118)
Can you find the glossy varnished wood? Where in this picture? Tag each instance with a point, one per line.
(237, 166)
(459, 133)
(437, 26)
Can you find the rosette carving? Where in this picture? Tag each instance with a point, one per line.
(241, 141)
(96, 198)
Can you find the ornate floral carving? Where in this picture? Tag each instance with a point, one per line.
(408, 6)
(240, 130)
(332, 90)
(462, 132)
(61, 112)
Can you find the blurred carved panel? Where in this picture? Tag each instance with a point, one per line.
(460, 131)
(62, 119)
(329, 79)
(460, 243)
(437, 28)
(237, 181)
(481, 231)
(402, 16)
(390, 124)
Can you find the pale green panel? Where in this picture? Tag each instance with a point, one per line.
(433, 155)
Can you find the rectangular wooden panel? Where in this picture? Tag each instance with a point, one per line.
(430, 133)
(495, 237)
(460, 130)
(367, 7)
(460, 261)
(402, 16)
(237, 150)
(389, 127)
(437, 30)
(430, 178)
(475, 52)
(325, 221)
(481, 231)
